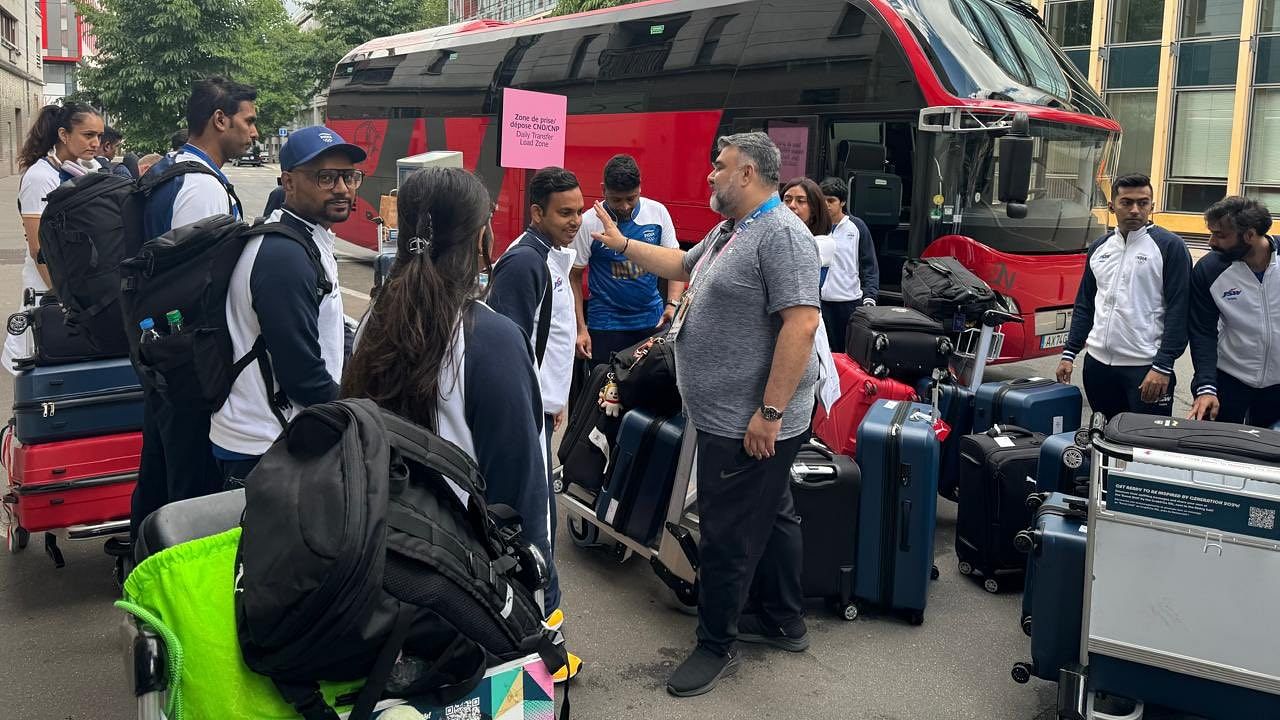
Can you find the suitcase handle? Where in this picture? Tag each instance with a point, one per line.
(1014, 430)
(904, 538)
(819, 448)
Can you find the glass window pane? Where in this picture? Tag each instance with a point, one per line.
(1270, 19)
(1037, 58)
(1211, 63)
(1133, 67)
(1196, 198)
(1207, 18)
(1081, 60)
(997, 42)
(1202, 127)
(1070, 23)
(1137, 20)
(1263, 162)
(1268, 69)
(1269, 196)
(1136, 113)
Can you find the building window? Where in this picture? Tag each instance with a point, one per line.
(1262, 155)
(1071, 26)
(1211, 18)
(1204, 104)
(9, 29)
(1135, 21)
(1136, 113)
(1202, 126)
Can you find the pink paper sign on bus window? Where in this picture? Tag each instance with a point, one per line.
(533, 129)
(793, 142)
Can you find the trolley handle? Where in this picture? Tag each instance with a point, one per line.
(996, 318)
(1194, 463)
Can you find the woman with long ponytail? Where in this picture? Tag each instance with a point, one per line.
(60, 140)
(431, 351)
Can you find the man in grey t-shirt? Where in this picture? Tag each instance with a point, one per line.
(746, 367)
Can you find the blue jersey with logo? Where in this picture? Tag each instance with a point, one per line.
(624, 297)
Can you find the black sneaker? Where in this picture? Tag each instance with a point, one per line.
(700, 672)
(754, 629)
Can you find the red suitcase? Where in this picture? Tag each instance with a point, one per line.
(858, 391)
(73, 482)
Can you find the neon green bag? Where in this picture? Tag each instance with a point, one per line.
(186, 593)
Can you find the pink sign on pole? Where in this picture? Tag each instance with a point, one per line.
(793, 143)
(533, 129)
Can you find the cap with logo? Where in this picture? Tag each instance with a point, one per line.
(309, 143)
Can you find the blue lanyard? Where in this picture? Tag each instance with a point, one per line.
(768, 205)
(189, 148)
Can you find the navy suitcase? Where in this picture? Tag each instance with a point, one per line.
(1052, 601)
(382, 268)
(1063, 466)
(825, 487)
(955, 406)
(1037, 404)
(635, 499)
(898, 456)
(64, 402)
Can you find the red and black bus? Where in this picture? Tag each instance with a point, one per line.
(905, 98)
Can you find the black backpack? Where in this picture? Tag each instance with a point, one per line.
(90, 224)
(189, 269)
(358, 560)
(945, 290)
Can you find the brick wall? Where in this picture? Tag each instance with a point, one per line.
(21, 86)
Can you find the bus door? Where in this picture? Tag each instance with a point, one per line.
(877, 159)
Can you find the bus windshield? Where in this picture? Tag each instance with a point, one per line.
(996, 50)
(1065, 189)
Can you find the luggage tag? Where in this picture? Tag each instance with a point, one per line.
(601, 443)
(682, 311)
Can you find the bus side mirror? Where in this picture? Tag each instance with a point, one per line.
(1016, 152)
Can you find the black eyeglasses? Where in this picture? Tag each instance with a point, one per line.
(328, 179)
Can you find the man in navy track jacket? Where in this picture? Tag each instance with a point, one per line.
(1131, 309)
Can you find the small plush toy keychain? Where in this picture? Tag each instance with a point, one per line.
(609, 401)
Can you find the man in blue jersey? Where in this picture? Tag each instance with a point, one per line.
(625, 303)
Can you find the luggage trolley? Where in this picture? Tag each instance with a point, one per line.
(674, 558)
(1182, 569)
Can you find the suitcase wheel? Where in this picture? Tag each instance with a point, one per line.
(557, 485)
(1021, 673)
(18, 323)
(991, 586)
(583, 533)
(965, 568)
(622, 553)
(1026, 626)
(17, 538)
(845, 609)
(1024, 541)
(933, 573)
(916, 617)
(1035, 500)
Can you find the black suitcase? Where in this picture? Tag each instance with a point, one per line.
(1226, 441)
(590, 437)
(55, 341)
(826, 488)
(897, 342)
(946, 291)
(185, 520)
(997, 475)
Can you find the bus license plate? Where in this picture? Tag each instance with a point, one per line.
(1055, 340)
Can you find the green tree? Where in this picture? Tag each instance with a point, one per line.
(344, 24)
(150, 51)
(568, 7)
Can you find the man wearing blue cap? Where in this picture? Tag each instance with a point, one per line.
(280, 295)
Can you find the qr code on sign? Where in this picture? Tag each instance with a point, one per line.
(1262, 518)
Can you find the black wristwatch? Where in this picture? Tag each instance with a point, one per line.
(770, 413)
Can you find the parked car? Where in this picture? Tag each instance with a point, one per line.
(253, 156)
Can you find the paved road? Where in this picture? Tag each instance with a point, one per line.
(64, 661)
